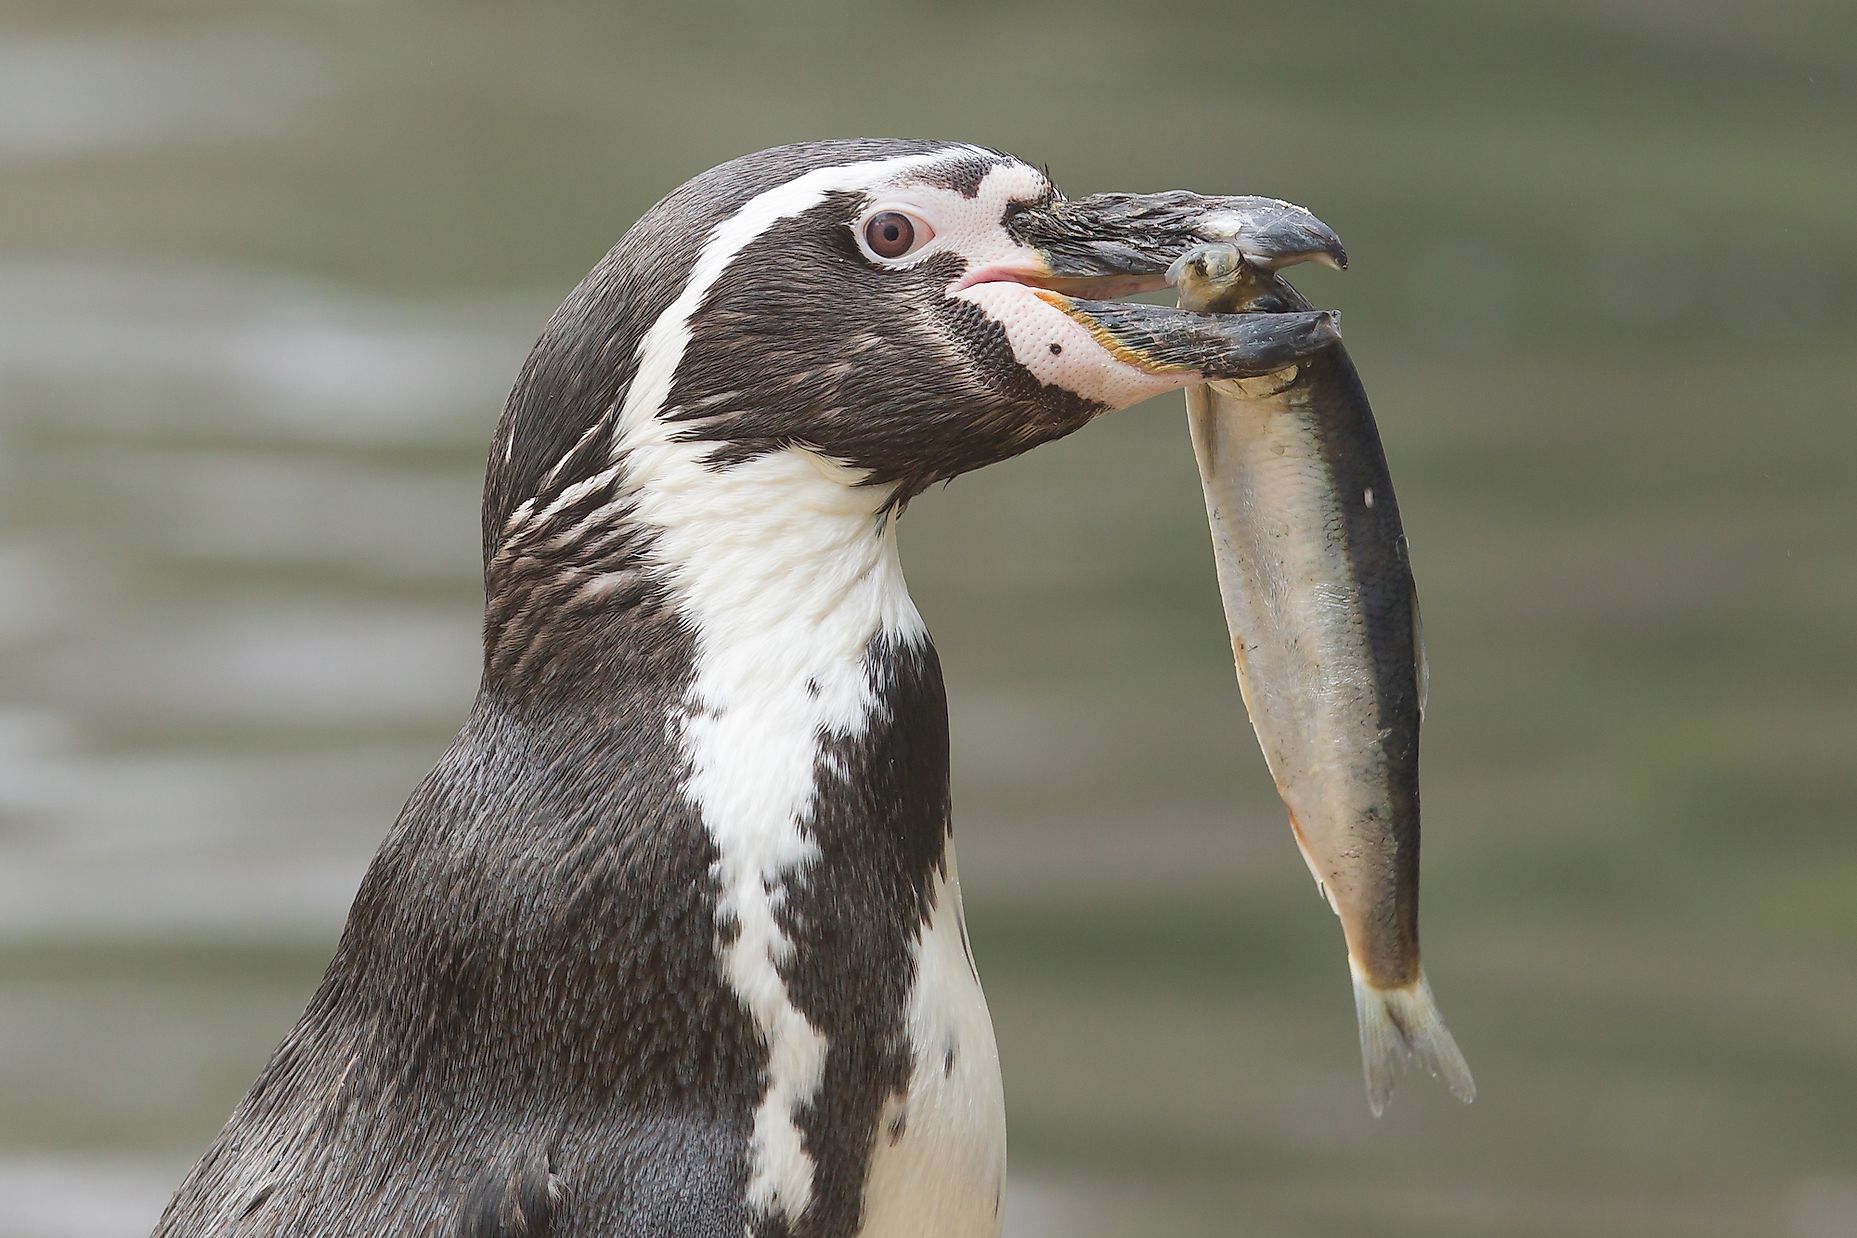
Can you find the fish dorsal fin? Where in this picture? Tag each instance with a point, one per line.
(1421, 669)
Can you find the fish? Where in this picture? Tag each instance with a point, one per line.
(1316, 580)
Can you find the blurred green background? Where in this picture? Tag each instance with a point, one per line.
(267, 271)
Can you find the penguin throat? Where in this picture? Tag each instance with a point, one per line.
(787, 557)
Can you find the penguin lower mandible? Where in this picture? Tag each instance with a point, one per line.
(670, 941)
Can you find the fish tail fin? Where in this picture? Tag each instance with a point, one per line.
(1402, 1024)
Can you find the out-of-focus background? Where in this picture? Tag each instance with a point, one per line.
(267, 270)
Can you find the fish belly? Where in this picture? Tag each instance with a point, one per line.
(1299, 640)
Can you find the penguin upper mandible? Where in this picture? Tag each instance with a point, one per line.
(670, 940)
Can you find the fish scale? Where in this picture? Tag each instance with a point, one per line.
(1318, 593)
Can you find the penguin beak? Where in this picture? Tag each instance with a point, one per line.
(1117, 244)
(1131, 239)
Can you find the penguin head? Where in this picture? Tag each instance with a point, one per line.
(906, 310)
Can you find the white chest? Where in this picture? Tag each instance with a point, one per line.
(939, 1167)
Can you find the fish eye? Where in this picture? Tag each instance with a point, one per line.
(895, 234)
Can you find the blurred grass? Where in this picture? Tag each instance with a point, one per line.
(1603, 290)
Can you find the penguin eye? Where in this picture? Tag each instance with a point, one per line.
(892, 234)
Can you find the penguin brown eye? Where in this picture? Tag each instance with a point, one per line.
(891, 234)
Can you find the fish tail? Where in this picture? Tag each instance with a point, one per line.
(1399, 1025)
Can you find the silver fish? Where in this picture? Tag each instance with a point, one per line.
(1324, 618)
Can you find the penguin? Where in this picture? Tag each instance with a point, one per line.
(670, 940)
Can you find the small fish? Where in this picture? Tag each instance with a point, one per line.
(1324, 619)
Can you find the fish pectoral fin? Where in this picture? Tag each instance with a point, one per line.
(1308, 853)
(1398, 1026)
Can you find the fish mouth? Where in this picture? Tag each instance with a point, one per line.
(1081, 254)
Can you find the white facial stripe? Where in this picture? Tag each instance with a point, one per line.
(785, 574)
(662, 348)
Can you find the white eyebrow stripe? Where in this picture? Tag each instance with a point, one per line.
(661, 350)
